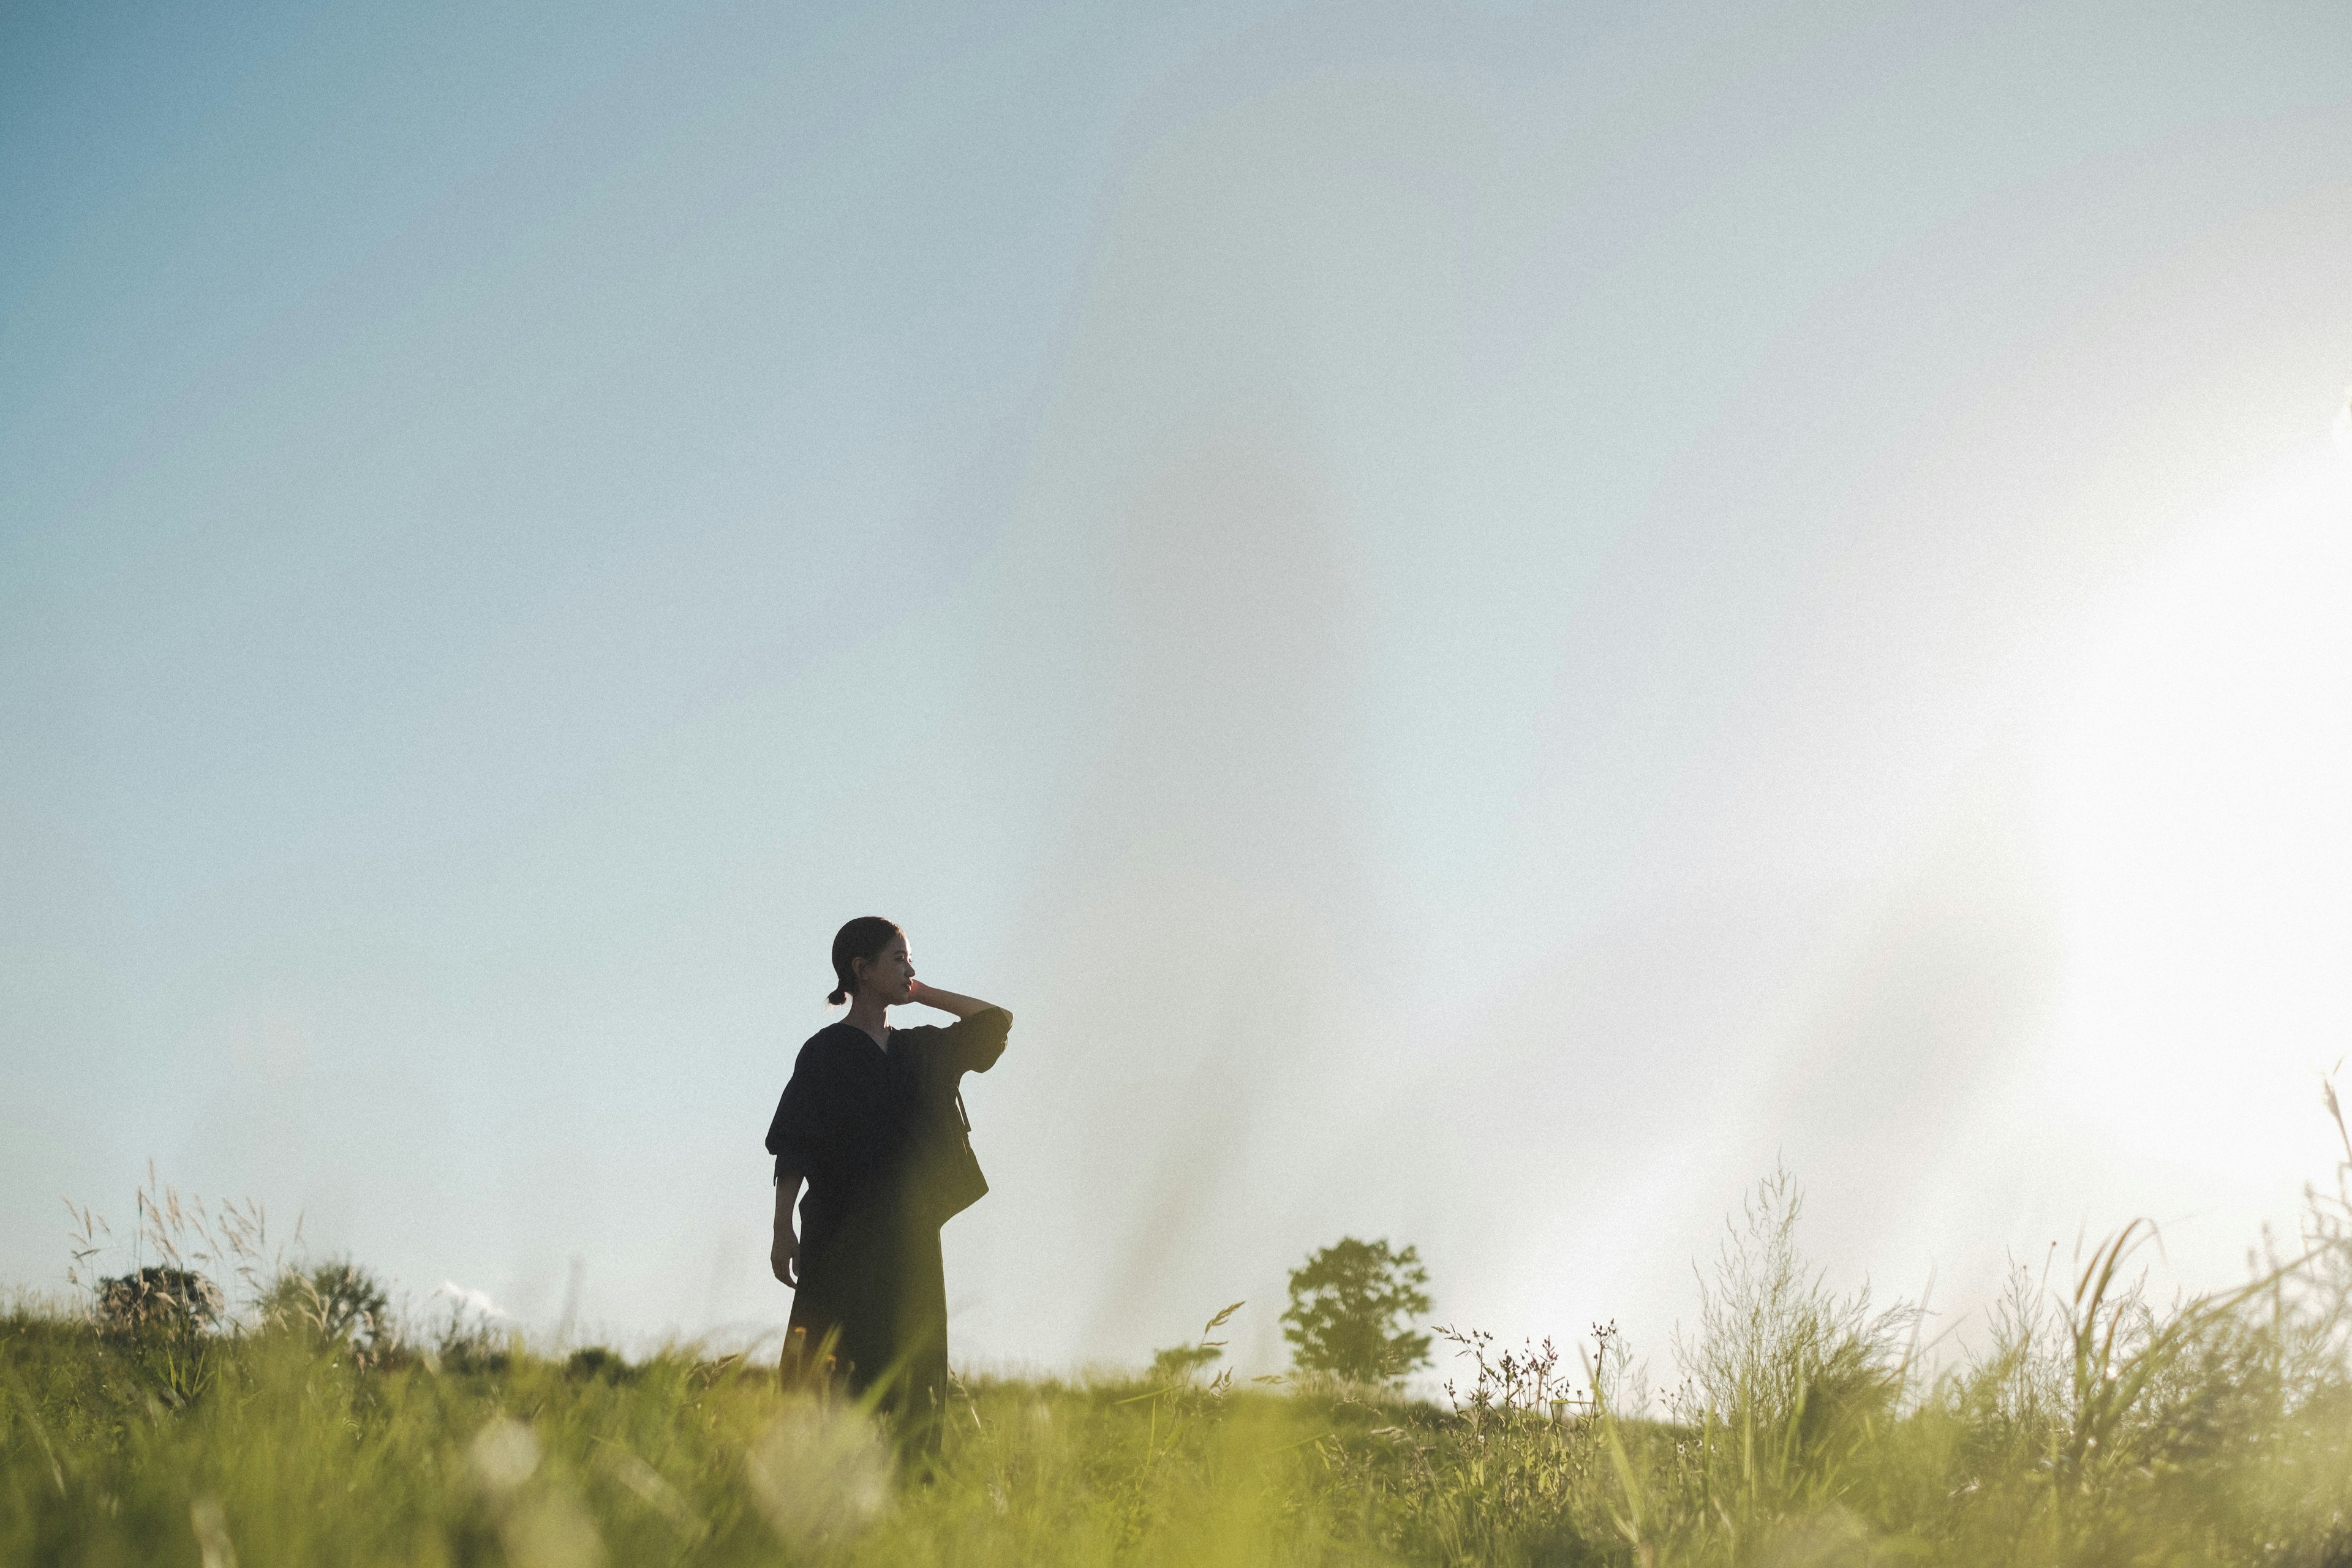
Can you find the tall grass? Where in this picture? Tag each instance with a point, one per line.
(2096, 1427)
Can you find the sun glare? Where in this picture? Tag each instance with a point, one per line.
(2196, 796)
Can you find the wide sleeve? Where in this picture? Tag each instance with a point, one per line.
(807, 1124)
(973, 1044)
(945, 1052)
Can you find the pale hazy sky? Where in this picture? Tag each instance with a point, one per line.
(1486, 617)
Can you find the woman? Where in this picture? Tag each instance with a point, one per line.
(865, 1268)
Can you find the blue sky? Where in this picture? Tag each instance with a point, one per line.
(1487, 618)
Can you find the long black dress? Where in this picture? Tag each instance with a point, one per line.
(869, 1267)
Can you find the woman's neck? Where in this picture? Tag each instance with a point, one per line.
(870, 1016)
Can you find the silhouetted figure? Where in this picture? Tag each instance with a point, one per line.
(867, 1123)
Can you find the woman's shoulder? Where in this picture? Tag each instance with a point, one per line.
(831, 1039)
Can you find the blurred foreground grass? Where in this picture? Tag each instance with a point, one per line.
(2093, 1427)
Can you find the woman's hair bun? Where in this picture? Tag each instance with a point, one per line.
(839, 997)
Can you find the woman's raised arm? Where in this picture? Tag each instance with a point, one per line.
(950, 1002)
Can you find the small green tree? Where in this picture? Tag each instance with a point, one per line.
(1352, 1309)
(340, 1302)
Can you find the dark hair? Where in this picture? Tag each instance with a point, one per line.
(864, 937)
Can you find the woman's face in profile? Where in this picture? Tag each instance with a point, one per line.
(889, 975)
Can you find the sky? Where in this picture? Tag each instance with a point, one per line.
(1490, 620)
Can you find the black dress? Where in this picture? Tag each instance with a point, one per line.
(869, 1264)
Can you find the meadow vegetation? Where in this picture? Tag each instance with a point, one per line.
(216, 1408)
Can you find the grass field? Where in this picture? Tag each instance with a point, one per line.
(2092, 1428)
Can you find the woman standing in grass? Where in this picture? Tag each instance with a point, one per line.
(864, 1101)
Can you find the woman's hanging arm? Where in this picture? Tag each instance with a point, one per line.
(785, 1255)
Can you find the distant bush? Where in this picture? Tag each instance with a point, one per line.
(340, 1302)
(475, 1346)
(1351, 1305)
(1177, 1363)
(161, 1320)
(595, 1363)
(177, 1302)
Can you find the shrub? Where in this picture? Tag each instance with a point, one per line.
(342, 1303)
(1178, 1363)
(178, 1302)
(592, 1362)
